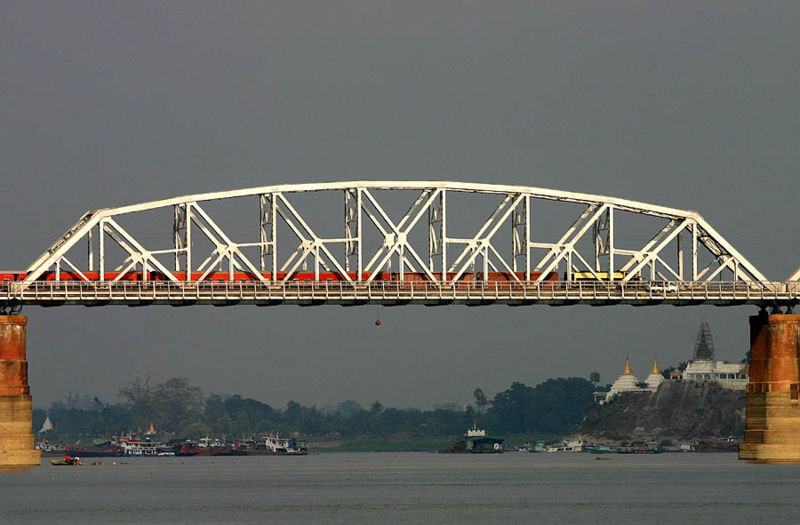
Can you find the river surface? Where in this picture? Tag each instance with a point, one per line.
(406, 487)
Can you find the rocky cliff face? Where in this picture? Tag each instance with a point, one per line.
(676, 412)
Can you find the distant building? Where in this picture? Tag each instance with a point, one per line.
(655, 378)
(704, 346)
(729, 375)
(704, 367)
(627, 382)
(47, 426)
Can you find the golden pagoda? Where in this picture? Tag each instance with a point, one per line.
(655, 378)
(626, 382)
(627, 370)
(655, 369)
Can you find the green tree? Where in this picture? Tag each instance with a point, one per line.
(680, 368)
(512, 408)
(138, 401)
(555, 406)
(594, 378)
(293, 413)
(480, 400)
(348, 408)
(177, 404)
(559, 404)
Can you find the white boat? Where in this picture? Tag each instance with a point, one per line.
(133, 447)
(573, 445)
(284, 446)
(207, 442)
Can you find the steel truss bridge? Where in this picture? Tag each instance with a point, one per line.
(609, 251)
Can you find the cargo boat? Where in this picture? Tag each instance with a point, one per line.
(206, 447)
(475, 441)
(133, 447)
(269, 445)
(59, 451)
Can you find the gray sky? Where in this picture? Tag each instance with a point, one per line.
(690, 104)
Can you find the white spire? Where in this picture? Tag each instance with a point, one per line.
(655, 378)
(47, 426)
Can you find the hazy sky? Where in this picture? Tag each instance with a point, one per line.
(690, 104)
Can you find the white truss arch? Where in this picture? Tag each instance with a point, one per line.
(700, 254)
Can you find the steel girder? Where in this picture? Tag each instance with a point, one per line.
(395, 293)
(590, 247)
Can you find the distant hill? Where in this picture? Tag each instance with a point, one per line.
(676, 412)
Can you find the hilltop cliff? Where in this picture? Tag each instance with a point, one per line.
(676, 412)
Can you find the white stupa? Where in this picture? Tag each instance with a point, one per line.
(655, 378)
(624, 383)
(47, 426)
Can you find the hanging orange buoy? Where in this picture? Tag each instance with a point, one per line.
(377, 322)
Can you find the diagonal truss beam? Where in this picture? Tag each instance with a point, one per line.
(396, 241)
(606, 261)
(565, 247)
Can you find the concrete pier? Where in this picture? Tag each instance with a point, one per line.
(16, 407)
(773, 408)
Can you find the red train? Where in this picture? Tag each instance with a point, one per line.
(408, 277)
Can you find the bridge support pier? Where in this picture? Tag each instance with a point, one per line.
(16, 407)
(772, 434)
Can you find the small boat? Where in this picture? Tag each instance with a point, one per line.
(602, 449)
(66, 461)
(532, 447)
(574, 445)
(277, 445)
(650, 448)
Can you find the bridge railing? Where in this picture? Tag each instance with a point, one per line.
(468, 292)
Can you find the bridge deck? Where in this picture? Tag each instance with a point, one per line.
(96, 293)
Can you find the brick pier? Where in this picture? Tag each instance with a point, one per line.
(773, 407)
(16, 408)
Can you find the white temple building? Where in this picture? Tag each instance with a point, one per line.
(627, 382)
(47, 426)
(728, 375)
(704, 367)
(655, 378)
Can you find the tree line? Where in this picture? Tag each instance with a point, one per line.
(178, 409)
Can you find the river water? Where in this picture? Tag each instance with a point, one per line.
(406, 488)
